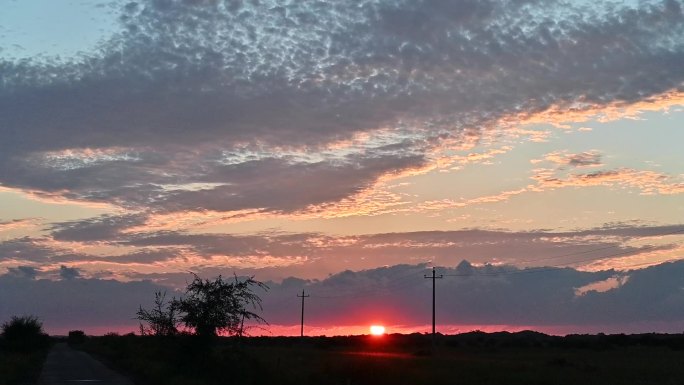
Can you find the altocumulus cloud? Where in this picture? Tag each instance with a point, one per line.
(230, 105)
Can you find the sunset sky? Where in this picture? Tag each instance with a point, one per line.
(346, 148)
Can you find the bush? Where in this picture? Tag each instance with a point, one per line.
(162, 320)
(212, 307)
(76, 337)
(209, 308)
(24, 334)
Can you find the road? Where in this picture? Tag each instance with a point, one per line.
(66, 366)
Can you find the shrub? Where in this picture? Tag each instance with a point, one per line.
(162, 320)
(76, 337)
(209, 308)
(24, 333)
(218, 306)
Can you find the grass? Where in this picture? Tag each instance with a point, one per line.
(474, 358)
(21, 367)
(23, 348)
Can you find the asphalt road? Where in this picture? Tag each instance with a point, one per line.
(66, 366)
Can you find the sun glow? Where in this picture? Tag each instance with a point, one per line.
(377, 330)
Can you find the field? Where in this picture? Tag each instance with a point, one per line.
(472, 358)
(20, 367)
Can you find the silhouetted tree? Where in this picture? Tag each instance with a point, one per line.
(162, 319)
(24, 333)
(213, 307)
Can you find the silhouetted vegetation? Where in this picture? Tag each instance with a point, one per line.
(162, 319)
(471, 358)
(209, 308)
(24, 334)
(76, 337)
(218, 306)
(23, 347)
(213, 308)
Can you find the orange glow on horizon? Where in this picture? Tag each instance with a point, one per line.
(377, 330)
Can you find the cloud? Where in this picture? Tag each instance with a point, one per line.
(389, 248)
(564, 175)
(93, 305)
(647, 182)
(104, 227)
(499, 295)
(585, 159)
(242, 105)
(394, 295)
(25, 249)
(277, 255)
(16, 224)
(69, 272)
(23, 272)
(603, 286)
(582, 159)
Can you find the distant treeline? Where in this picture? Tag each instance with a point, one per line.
(483, 339)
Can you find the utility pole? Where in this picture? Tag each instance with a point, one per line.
(434, 276)
(302, 297)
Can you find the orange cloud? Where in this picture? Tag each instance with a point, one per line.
(602, 286)
(18, 224)
(583, 159)
(195, 220)
(648, 182)
(638, 261)
(561, 115)
(58, 197)
(444, 204)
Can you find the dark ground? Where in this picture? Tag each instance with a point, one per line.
(21, 365)
(472, 358)
(65, 365)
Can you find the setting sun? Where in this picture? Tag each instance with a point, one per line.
(377, 330)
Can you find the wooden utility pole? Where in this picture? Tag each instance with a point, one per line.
(434, 276)
(302, 297)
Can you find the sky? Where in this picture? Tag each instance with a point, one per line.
(530, 151)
